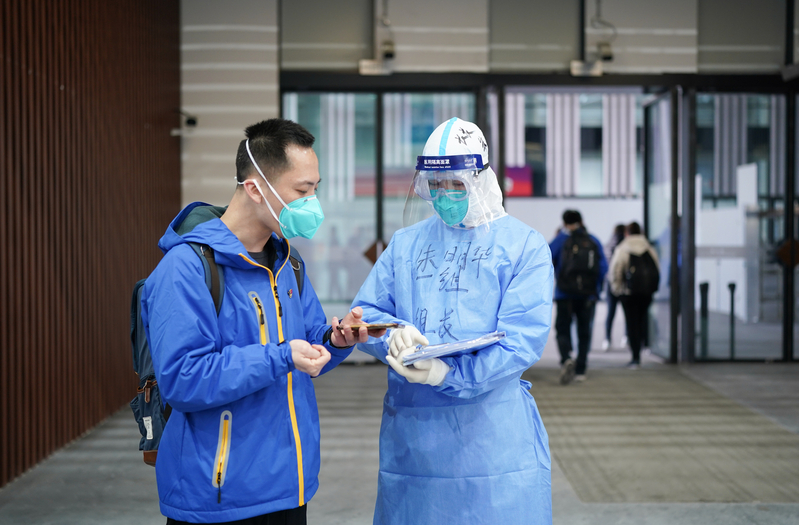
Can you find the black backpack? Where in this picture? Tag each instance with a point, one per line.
(149, 410)
(642, 276)
(579, 265)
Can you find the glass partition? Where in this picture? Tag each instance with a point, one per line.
(658, 219)
(795, 200)
(567, 142)
(344, 127)
(739, 221)
(739, 186)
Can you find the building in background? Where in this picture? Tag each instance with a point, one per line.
(107, 133)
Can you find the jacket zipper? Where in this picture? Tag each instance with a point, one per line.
(222, 452)
(277, 300)
(259, 308)
(290, 390)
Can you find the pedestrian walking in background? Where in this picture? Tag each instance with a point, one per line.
(580, 268)
(634, 277)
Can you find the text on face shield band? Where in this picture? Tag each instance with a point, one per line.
(450, 162)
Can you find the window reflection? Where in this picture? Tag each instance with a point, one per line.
(344, 127)
(740, 159)
(569, 144)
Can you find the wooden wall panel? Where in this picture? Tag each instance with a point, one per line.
(90, 179)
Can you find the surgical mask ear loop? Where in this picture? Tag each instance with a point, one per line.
(258, 187)
(272, 211)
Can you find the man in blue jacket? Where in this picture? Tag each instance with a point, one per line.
(580, 268)
(242, 442)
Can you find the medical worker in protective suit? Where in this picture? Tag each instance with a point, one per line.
(461, 439)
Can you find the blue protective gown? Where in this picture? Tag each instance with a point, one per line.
(474, 449)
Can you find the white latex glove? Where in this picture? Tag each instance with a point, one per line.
(429, 372)
(402, 338)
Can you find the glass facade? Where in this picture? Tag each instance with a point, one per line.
(589, 183)
(535, 131)
(572, 144)
(344, 127)
(740, 176)
(659, 220)
(739, 181)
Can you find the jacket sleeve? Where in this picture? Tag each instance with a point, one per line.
(555, 248)
(616, 273)
(316, 327)
(525, 315)
(376, 297)
(181, 323)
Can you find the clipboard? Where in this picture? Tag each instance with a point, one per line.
(452, 349)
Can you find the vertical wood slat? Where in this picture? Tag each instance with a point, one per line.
(27, 160)
(91, 176)
(5, 299)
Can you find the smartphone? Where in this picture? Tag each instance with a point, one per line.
(372, 326)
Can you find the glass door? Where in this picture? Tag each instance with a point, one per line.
(659, 208)
(739, 224)
(344, 125)
(363, 197)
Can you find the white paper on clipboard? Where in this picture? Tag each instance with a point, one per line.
(450, 349)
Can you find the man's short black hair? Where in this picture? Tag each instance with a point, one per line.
(572, 217)
(268, 142)
(633, 228)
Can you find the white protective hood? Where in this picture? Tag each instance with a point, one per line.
(459, 137)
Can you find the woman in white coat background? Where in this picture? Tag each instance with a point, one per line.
(634, 277)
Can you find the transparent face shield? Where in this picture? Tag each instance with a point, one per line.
(432, 185)
(447, 186)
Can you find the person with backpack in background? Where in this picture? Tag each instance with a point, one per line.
(613, 300)
(242, 441)
(580, 268)
(635, 277)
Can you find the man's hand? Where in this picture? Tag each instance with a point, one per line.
(345, 336)
(308, 358)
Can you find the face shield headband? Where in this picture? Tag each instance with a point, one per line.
(450, 162)
(451, 176)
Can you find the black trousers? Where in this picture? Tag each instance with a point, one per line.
(613, 300)
(282, 517)
(583, 311)
(636, 312)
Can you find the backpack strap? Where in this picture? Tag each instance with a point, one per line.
(214, 278)
(137, 337)
(298, 266)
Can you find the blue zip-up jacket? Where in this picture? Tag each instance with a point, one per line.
(556, 246)
(243, 436)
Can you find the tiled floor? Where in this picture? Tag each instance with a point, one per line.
(100, 479)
